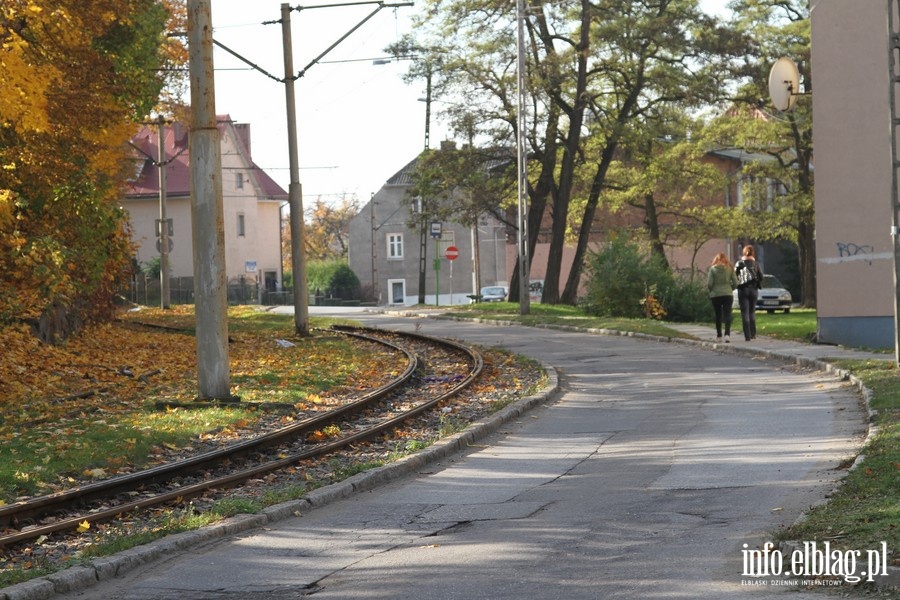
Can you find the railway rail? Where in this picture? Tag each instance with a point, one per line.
(436, 369)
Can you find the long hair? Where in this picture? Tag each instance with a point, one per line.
(749, 251)
(721, 259)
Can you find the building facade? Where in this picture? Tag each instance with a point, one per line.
(388, 250)
(386, 245)
(252, 204)
(851, 114)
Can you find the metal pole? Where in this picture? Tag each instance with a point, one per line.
(423, 250)
(423, 236)
(524, 298)
(437, 272)
(450, 285)
(295, 190)
(207, 220)
(165, 295)
(374, 257)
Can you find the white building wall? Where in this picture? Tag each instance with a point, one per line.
(250, 256)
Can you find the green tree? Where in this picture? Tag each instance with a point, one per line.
(777, 28)
(463, 185)
(593, 70)
(333, 278)
(663, 176)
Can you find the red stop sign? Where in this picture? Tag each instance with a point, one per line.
(451, 253)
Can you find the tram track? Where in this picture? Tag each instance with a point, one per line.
(436, 370)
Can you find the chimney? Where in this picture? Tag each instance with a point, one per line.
(243, 132)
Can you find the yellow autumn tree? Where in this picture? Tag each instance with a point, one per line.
(77, 77)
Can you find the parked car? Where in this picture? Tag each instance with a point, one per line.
(493, 293)
(772, 296)
(535, 290)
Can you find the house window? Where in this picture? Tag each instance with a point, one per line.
(397, 290)
(395, 246)
(758, 194)
(239, 181)
(241, 225)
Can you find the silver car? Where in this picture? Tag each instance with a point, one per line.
(772, 296)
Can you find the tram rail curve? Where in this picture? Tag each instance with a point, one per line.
(21, 521)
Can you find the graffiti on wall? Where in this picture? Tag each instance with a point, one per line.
(852, 252)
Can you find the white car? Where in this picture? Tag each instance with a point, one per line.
(772, 296)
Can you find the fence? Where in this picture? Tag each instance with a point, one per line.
(241, 290)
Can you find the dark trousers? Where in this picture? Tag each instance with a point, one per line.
(722, 308)
(747, 298)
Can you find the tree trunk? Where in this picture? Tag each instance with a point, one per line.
(806, 225)
(536, 210)
(570, 294)
(651, 220)
(806, 247)
(563, 192)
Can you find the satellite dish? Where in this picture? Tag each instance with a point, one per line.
(784, 84)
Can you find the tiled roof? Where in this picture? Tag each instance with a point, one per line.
(404, 175)
(178, 171)
(493, 159)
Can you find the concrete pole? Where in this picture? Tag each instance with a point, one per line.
(893, 70)
(295, 190)
(165, 296)
(207, 220)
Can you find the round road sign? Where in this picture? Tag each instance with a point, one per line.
(451, 253)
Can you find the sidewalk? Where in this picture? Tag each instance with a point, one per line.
(816, 356)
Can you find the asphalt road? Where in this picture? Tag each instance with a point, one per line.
(643, 477)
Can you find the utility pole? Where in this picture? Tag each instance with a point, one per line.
(207, 219)
(423, 236)
(295, 190)
(524, 298)
(375, 290)
(165, 296)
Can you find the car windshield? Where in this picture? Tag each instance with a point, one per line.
(492, 291)
(770, 281)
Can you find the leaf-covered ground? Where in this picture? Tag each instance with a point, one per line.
(88, 409)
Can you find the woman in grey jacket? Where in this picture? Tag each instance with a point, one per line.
(721, 280)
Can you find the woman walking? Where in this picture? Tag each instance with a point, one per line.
(749, 277)
(721, 280)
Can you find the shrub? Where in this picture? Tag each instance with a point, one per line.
(622, 279)
(688, 301)
(626, 282)
(333, 278)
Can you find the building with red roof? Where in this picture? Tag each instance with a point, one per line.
(252, 203)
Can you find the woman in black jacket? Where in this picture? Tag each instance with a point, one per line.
(749, 277)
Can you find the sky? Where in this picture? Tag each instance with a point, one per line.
(358, 123)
